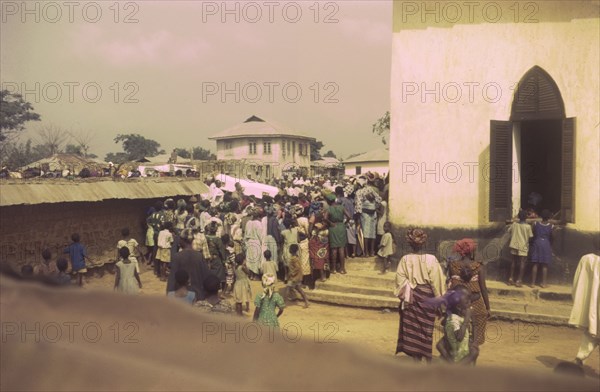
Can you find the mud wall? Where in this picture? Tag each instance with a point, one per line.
(25, 230)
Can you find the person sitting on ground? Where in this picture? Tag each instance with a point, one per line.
(62, 278)
(295, 277)
(213, 303)
(182, 292)
(46, 268)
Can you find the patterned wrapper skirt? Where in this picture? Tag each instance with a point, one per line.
(415, 334)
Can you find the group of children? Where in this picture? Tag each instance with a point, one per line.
(533, 242)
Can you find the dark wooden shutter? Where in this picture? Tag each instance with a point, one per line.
(567, 197)
(500, 175)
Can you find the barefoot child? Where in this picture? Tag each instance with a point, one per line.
(541, 252)
(267, 302)
(295, 277)
(456, 346)
(163, 256)
(386, 247)
(132, 245)
(519, 247)
(127, 275)
(268, 266)
(78, 255)
(229, 263)
(241, 288)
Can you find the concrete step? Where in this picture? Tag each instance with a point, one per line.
(544, 312)
(367, 279)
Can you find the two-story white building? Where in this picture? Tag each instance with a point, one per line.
(263, 149)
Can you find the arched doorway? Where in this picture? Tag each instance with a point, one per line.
(532, 154)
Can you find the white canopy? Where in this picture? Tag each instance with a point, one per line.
(252, 188)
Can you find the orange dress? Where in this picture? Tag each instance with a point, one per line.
(479, 317)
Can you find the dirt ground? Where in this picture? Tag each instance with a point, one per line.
(513, 345)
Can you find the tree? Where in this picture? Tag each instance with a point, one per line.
(116, 158)
(329, 154)
(73, 149)
(83, 140)
(14, 112)
(52, 138)
(135, 147)
(198, 153)
(315, 150)
(382, 127)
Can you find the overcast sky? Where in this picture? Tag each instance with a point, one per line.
(162, 75)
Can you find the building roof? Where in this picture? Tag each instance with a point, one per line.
(257, 127)
(380, 155)
(62, 191)
(65, 161)
(327, 162)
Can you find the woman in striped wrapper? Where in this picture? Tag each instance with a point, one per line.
(419, 277)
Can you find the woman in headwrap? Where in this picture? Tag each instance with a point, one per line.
(267, 301)
(419, 277)
(467, 272)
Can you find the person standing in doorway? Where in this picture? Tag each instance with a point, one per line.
(521, 233)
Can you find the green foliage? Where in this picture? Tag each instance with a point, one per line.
(198, 153)
(329, 154)
(382, 127)
(135, 147)
(14, 112)
(315, 150)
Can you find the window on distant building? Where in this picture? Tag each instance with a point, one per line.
(288, 147)
(358, 170)
(283, 154)
(293, 148)
(266, 147)
(252, 148)
(228, 145)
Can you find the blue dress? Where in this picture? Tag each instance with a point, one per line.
(541, 251)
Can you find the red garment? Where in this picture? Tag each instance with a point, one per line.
(319, 252)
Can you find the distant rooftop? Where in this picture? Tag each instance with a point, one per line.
(257, 127)
(380, 155)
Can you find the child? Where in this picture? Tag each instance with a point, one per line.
(132, 245)
(182, 281)
(386, 247)
(290, 236)
(267, 302)
(213, 303)
(27, 271)
(163, 256)
(268, 266)
(295, 277)
(62, 278)
(541, 252)
(47, 268)
(241, 289)
(519, 247)
(229, 264)
(149, 243)
(127, 274)
(78, 255)
(456, 345)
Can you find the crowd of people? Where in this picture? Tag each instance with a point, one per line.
(208, 248)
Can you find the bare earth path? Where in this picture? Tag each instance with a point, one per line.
(515, 345)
